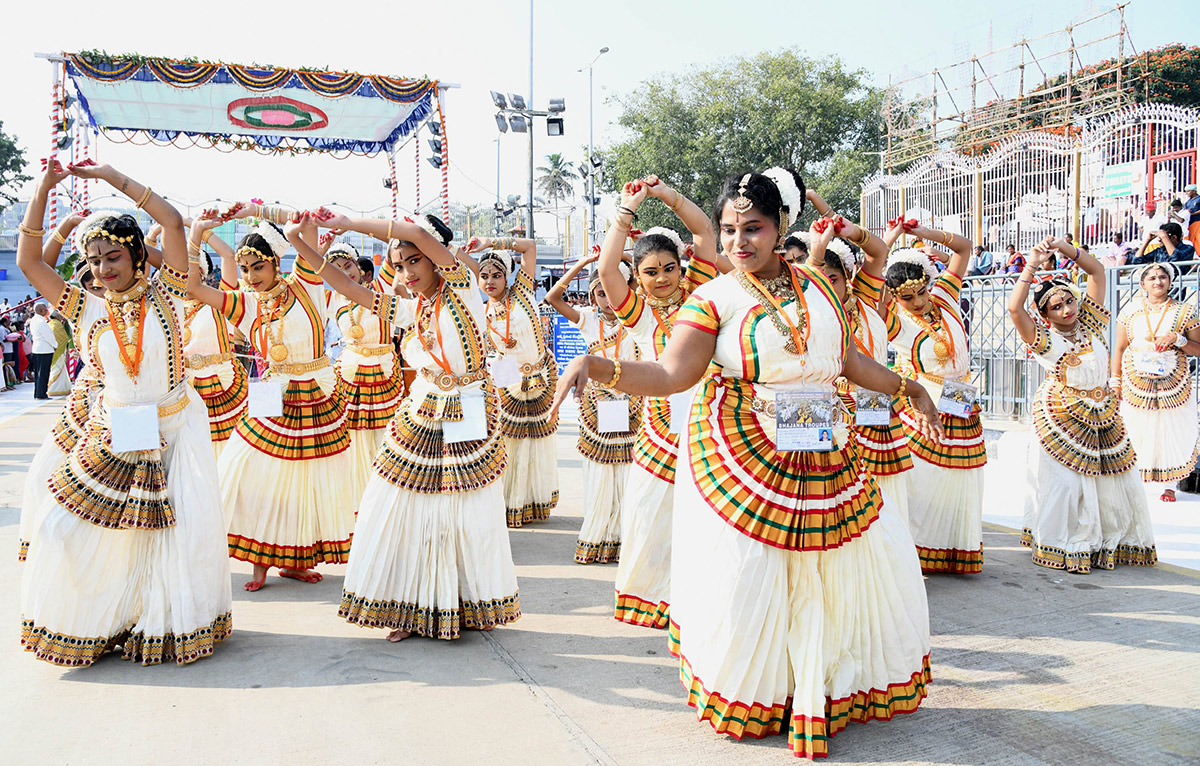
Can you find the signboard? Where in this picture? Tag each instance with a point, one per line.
(1125, 179)
(568, 342)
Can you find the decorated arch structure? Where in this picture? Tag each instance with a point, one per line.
(231, 107)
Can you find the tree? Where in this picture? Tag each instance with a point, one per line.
(12, 162)
(694, 130)
(555, 182)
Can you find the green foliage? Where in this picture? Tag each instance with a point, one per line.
(555, 178)
(785, 109)
(12, 163)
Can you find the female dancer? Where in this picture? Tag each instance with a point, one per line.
(70, 425)
(607, 455)
(1086, 506)
(1154, 338)
(884, 448)
(643, 582)
(796, 597)
(128, 548)
(368, 373)
(514, 329)
(431, 555)
(282, 477)
(208, 352)
(945, 502)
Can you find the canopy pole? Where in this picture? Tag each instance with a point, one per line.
(445, 160)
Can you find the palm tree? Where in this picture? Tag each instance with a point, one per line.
(555, 182)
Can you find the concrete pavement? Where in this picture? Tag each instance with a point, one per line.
(1030, 666)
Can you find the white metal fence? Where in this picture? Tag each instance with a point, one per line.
(1090, 183)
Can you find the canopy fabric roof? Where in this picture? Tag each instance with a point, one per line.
(253, 106)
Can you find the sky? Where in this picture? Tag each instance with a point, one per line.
(485, 46)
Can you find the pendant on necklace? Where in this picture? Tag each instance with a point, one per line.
(355, 332)
(510, 343)
(1072, 360)
(941, 350)
(131, 350)
(279, 352)
(187, 335)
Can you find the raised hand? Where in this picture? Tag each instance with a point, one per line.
(324, 242)
(634, 194)
(237, 211)
(1039, 256)
(478, 244)
(86, 169)
(53, 174)
(327, 219)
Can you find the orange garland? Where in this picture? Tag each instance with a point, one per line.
(928, 327)
(444, 361)
(134, 365)
(1154, 333)
(507, 337)
(798, 338)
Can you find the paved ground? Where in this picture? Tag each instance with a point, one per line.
(1030, 667)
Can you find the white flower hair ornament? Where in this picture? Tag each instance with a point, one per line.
(89, 223)
(838, 247)
(1167, 266)
(789, 192)
(669, 234)
(626, 271)
(915, 257)
(424, 222)
(503, 260)
(273, 238)
(341, 250)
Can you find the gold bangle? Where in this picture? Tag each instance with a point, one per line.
(276, 213)
(902, 391)
(949, 238)
(678, 199)
(193, 247)
(389, 234)
(321, 268)
(31, 232)
(145, 196)
(866, 237)
(616, 374)
(58, 238)
(205, 236)
(151, 241)
(195, 258)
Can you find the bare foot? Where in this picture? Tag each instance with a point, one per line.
(303, 575)
(1168, 496)
(260, 577)
(396, 636)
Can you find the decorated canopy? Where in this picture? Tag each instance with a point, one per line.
(252, 107)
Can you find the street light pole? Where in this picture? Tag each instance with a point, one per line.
(591, 150)
(529, 227)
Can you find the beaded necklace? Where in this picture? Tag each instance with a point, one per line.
(430, 313)
(774, 292)
(127, 319)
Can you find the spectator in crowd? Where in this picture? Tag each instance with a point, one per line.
(981, 263)
(1118, 251)
(1172, 247)
(10, 353)
(795, 250)
(42, 350)
(1192, 205)
(4, 307)
(1176, 214)
(20, 355)
(1149, 223)
(1014, 262)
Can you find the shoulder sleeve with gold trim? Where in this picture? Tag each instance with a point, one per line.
(868, 288)
(701, 313)
(71, 302)
(1041, 340)
(950, 284)
(1094, 316)
(632, 310)
(172, 282)
(699, 271)
(458, 276)
(524, 283)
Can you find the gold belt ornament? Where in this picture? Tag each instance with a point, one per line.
(449, 381)
(198, 361)
(375, 350)
(532, 367)
(283, 368)
(1097, 394)
(764, 406)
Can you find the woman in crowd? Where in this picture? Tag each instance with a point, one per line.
(1155, 336)
(925, 326)
(128, 549)
(1085, 505)
(367, 369)
(799, 603)
(884, 448)
(524, 373)
(431, 555)
(283, 476)
(607, 454)
(648, 311)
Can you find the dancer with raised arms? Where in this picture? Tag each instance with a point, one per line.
(925, 326)
(643, 581)
(1085, 506)
(128, 548)
(431, 554)
(1155, 336)
(524, 373)
(283, 472)
(799, 604)
(606, 447)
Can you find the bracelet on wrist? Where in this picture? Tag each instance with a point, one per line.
(616, 374)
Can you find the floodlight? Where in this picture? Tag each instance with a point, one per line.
(554, 126)
(517, 123)
(498, 100)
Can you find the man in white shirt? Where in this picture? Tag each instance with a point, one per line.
(43, 349)
(1118, 251)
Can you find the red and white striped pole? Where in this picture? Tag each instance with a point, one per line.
(417, 160)
(55, 121)
(445, 158)
(395, 200)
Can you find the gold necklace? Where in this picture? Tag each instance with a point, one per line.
(190, 309)
(271, 335)
(272, 294)
(674, 299)
(1071, 358)
(127, 320)
(928, 321)
(132, 294)
(356, 330)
